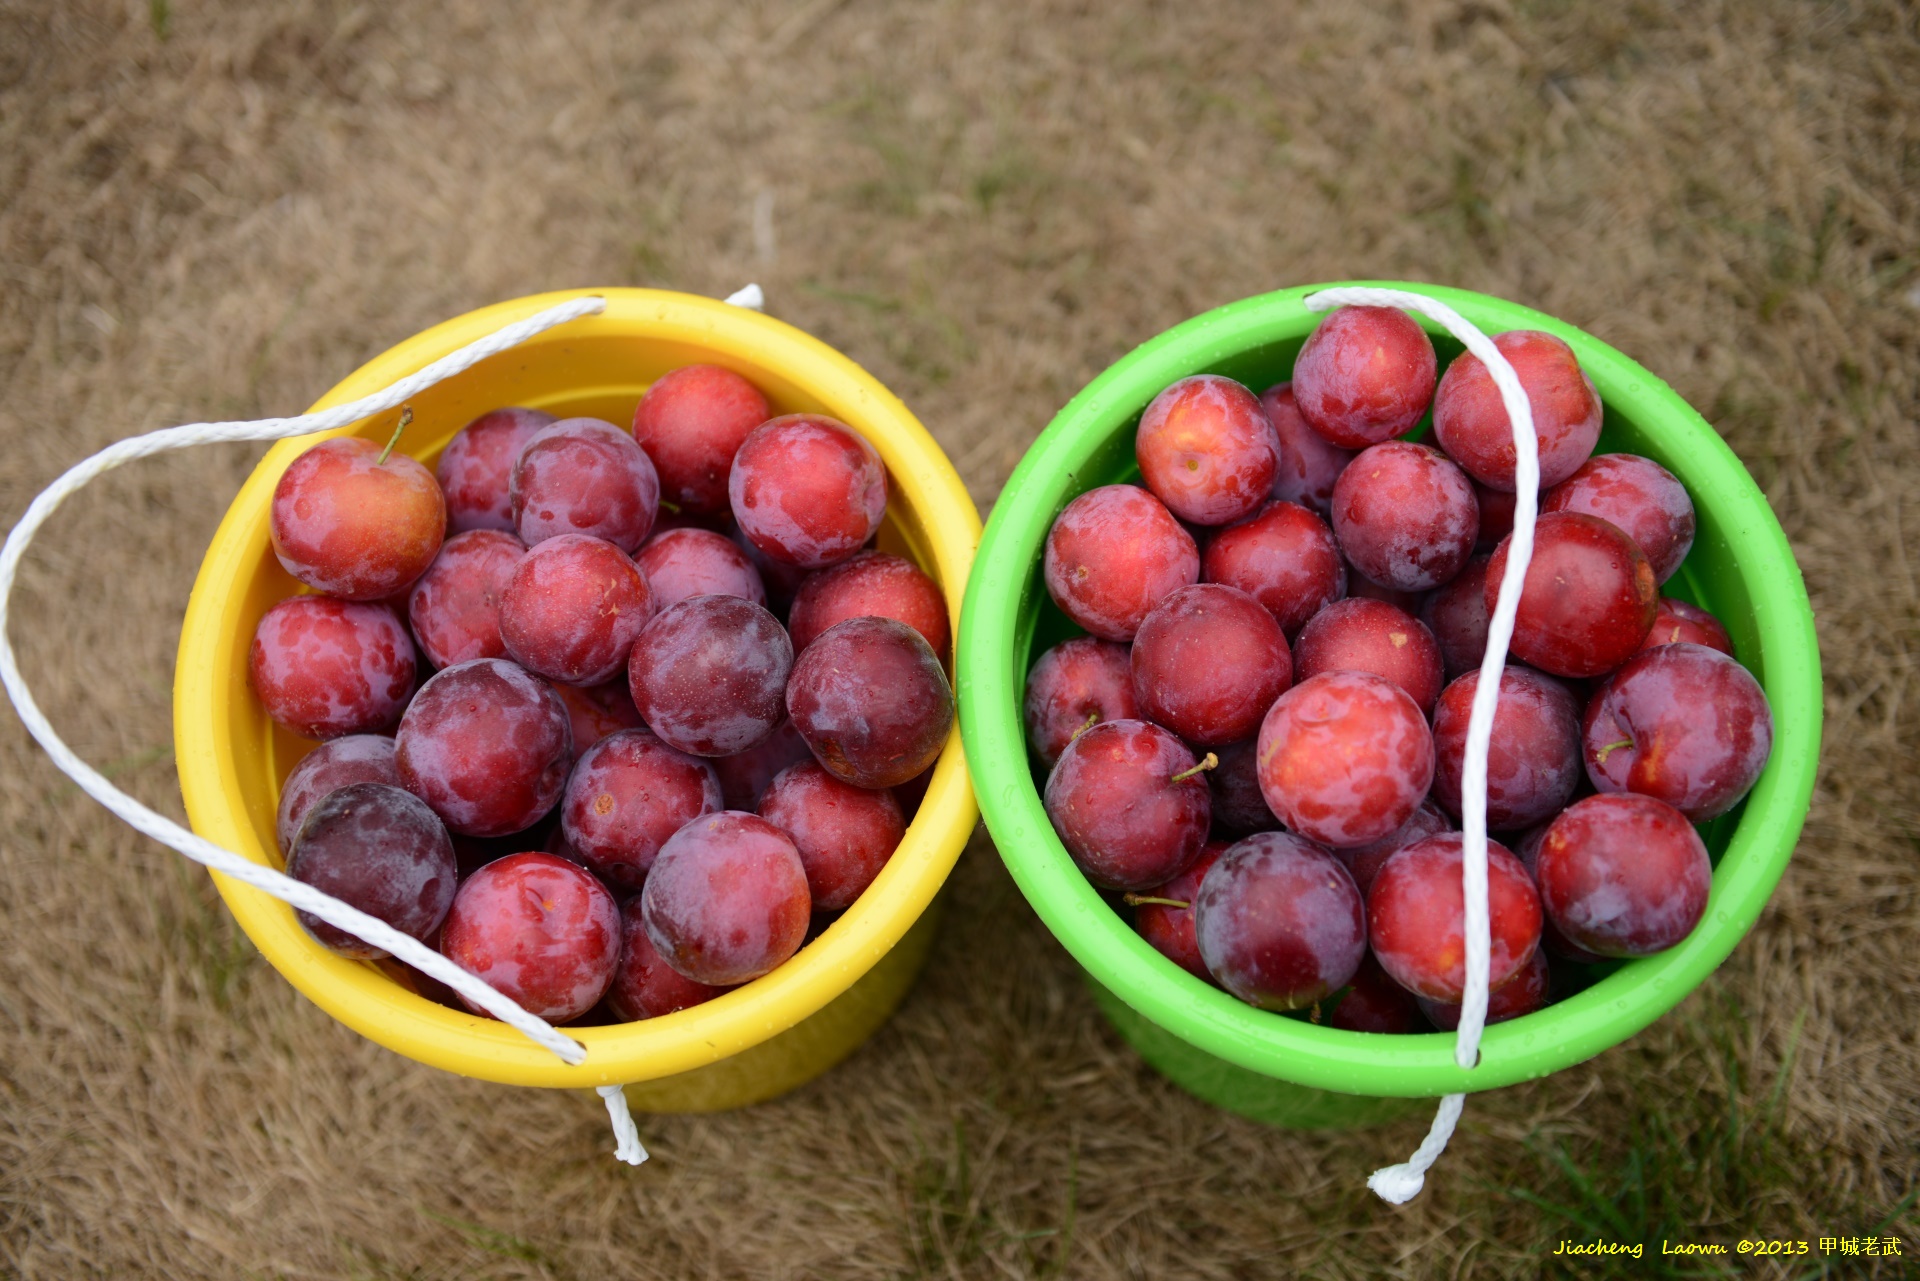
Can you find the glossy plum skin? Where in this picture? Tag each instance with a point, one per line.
(807, 490)
(628, 793)
(1361, 635)
(477, 465)
(1525, 993)
(872, 702)
(349, 525)
(691, 422)
(1169, 930)
(1309, 465)
(845, 834)
(727, 899)
(870, 585)
(1345, 758)
(1076, 683)
(356, 758)
(540, 929)
(1112, 555)
(1533, 759)
(1623, 875)
(1113, 801)
(1405, 516)
(1416, 914)
(1365, 861)
(1675, 621)
(681, 563)
(1365, 375)
(707, 675)
(584, 476)
(1375, 1003)
(1207, 663)
(488, 745)
(595, 711)
(1239, 808)
(1644, 499)
(1456, 614)
(1279, 922)
(455, 606)
(1207, 450)
(1285, 558)
(645, 986)
(324, 667)
(1682, 723)
(1552, 941)
(573, 608)
(745, 776)
(377, 848)
(1470, 420)
(1588, 601)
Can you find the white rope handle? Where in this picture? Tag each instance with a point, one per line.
(1401, 1183)
(301, 896)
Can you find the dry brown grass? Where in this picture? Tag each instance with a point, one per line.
(985, 204)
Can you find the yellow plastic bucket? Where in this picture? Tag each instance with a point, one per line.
(753, 1043)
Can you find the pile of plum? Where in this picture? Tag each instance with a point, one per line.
(1259, 746)
(625, 777)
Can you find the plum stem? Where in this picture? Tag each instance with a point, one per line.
(406, 419)
(1206, 762)
(1141, 900)
(1611, 748)
(1093, 718)
(1313, 1016)
(670, 508)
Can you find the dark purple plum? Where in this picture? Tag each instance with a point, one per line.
(708, 674)
(380, 849)
(1279, 922)
(1682, 723)
(872, 702)
(337, 763)
(1533, 758)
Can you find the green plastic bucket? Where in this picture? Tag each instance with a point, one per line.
(1284, 1070)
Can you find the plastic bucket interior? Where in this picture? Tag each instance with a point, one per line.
(1285, 1070)
(755, 1042)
